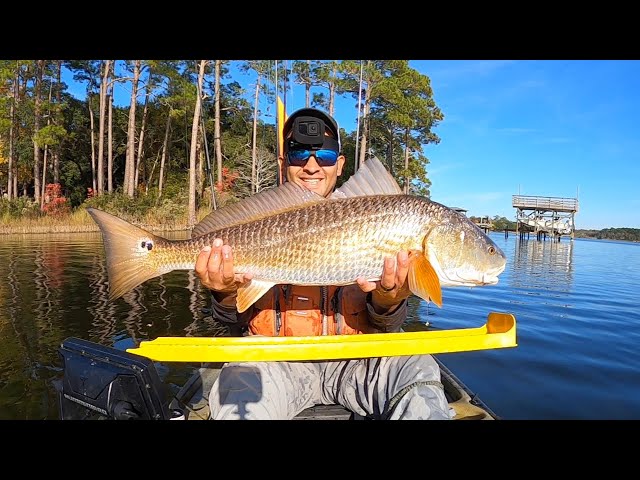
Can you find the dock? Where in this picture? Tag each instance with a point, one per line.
(552, 217)
(483, 222)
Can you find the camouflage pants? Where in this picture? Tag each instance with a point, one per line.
(405, 387)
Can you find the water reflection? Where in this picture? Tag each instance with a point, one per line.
(100, 309)
(43, 276)
(162, 302)
(9, 292)
(546, 265)
(134, 318)
(56, 286)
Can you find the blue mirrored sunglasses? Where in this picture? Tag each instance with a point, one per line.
(324, 157)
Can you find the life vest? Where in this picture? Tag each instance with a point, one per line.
(293, 310)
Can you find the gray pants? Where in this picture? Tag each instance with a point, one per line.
(394, 388)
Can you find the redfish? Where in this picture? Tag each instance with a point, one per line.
(290, 235)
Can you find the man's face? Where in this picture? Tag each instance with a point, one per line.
(312, 176)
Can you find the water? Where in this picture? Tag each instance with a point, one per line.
(578, 325)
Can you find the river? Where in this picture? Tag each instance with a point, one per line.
(575, 303)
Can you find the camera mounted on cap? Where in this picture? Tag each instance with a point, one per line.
(309, 132)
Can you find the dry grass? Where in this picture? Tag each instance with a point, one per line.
(77, 222)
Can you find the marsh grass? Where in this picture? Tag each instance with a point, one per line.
(155, 220)
(166, 214)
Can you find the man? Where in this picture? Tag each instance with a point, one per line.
(403, 387)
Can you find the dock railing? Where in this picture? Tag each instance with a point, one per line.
(556, 204)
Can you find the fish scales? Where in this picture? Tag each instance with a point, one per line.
(331, 242)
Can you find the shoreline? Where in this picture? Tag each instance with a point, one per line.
(46, 229)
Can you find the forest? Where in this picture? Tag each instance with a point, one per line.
(626, 234)
(191, 138)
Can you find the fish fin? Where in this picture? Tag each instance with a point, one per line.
(251, 292)
(423, 279)
(127, 259)
(372, 178)
(264, 203)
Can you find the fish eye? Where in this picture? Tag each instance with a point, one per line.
(148, 244)
(492, 251)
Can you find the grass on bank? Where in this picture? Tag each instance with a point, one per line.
(22, 216)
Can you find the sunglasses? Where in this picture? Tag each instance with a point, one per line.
(324, 157)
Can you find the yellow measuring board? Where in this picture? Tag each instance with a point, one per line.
(498, 332)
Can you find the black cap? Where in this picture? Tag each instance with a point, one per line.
(308, 132)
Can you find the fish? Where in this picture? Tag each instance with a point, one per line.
(291, 235)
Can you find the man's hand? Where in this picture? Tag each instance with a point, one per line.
(392, 288)
(214, 267)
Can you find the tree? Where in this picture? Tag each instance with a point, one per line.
(305, 73)
(403, 114)
(57, 120)
(216, 131)
(143, 126)
(89, 71)
(10, 74)
(262, 68)
(37, 101)
(175, 100)
(129, 171)
(105, 69)
(192, 220)
(110, 130)
(326, 74)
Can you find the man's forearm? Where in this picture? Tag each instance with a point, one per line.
(223, 309)
(387, 320)
(225, 299)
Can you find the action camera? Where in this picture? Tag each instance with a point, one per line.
(308, 131)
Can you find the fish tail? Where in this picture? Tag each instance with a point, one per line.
(129, 253)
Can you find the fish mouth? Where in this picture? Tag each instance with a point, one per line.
(491, 277)
(458, 278)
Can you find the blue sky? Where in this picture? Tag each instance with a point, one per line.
(561, 128)
(549, 128)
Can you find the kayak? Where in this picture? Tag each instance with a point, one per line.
(193, 404)
(102, 382)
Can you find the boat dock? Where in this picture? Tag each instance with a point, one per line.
(545, 216)
(485, 224)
